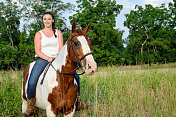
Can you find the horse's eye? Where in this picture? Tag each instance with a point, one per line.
(76, 43)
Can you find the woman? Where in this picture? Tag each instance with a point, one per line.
(48, 43)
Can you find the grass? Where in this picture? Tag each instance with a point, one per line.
(10, 96)
(137, 91)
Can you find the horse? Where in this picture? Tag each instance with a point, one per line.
(58, 93)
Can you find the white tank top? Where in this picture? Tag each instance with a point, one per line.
(49, 46)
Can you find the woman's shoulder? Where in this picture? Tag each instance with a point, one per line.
(38, 34)
(58, 31)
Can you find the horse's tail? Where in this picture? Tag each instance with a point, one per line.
(25, 78)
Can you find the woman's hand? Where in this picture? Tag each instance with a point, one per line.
(50, 59)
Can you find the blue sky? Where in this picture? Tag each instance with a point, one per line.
(128, 5)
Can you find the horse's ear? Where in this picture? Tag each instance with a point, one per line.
(73, 26)
(86, 29)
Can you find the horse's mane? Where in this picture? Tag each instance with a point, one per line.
(79, 31)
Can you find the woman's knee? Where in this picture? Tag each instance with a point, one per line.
(32, 83)
(77, 76)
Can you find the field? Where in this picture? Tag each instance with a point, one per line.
(135, 91)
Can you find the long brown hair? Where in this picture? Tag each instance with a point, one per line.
(53, 24)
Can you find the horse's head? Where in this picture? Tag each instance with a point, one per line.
(79, 49)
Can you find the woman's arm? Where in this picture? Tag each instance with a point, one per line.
(60, 39)
(37, 44)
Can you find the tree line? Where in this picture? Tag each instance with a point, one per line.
(151, 36)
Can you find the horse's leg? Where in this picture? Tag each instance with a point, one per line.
(72, 113)
(49, 113)
(36, 111)
(24, 106)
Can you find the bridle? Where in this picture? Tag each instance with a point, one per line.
(78, 61)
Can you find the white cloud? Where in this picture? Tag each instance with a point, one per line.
(127, 5)
(157, 3)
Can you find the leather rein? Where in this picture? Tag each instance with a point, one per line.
(78, 61)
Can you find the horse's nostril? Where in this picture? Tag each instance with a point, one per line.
(92, 71)
(89, 67)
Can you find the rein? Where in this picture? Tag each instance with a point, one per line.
(67, 73)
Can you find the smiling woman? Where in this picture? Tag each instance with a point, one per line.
(48, 43)
(43, 39)
(48, 20)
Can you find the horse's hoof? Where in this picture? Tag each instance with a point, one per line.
(24, 115)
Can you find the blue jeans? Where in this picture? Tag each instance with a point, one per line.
(78, 81)
(37, 70)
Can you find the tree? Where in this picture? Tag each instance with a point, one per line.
(9, 22)
(33, 10)
(17, 48)
(172, 30)
(106, 40)
(149, 31)
(9, 33)
(26, 52)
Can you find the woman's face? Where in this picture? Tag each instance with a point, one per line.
(48, 20)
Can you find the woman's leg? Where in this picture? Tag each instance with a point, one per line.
(37, 69)
(78, 81)
(79, 104)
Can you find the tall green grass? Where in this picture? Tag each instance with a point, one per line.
(137, 91)
(10, 94)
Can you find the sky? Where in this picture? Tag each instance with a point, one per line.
(128, 5)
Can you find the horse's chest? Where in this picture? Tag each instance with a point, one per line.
(61, 99)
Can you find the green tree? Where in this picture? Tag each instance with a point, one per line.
(106, 40)
(26, 51)
(33, 10)
(17, 48)
(9, 34)
(149, 30)
(9, 22)
(172, 30)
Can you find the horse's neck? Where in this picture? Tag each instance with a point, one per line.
(64, 64)
(61, 58)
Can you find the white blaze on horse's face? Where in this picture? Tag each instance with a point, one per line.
(91, 65)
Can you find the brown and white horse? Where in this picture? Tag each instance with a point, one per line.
(58, 93)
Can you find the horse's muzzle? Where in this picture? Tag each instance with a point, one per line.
(91, 66)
